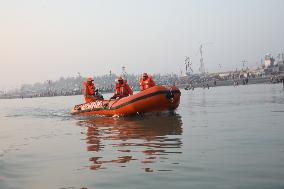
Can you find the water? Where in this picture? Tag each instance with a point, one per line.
(224, 137)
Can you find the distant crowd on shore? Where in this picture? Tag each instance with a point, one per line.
(73, 85)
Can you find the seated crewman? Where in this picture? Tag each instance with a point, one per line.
(146, 82)
(90, 92)
(122, 89)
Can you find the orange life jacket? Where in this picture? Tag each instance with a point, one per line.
(147, 83)
(122, 90)
(88, 90)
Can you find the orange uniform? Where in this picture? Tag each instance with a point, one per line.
(122, 90)
(146, 82)
(89, 92)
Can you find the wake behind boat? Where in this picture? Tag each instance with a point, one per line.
(154, 99)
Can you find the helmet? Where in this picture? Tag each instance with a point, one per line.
(90, 79)
(144, 75)
(119, 79)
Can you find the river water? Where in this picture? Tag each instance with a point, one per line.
(224, 137)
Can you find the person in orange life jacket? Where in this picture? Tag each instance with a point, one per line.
(90, 91)
(122, 89)
(146, 82)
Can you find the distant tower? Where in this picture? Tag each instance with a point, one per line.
(220, 67)
(188, 69)
(243, 63)
(202, 67)
(123, 73)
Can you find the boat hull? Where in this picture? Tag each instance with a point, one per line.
(154, 99)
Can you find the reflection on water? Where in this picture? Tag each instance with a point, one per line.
(147, 140)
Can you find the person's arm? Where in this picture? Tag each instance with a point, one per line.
(141, 85)
(115, 95)
(129, 90)
(86, 92)
(152, 82)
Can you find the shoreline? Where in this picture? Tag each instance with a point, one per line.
(264, 80)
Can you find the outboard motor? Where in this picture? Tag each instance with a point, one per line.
(99, 95)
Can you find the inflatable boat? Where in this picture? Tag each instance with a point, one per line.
(154, 99)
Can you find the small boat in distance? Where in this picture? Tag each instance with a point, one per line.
(154, 99)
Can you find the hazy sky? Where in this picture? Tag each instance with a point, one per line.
(47, 39)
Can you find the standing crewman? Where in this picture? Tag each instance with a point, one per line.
(146, 82)
(122, 89)
(89, 90)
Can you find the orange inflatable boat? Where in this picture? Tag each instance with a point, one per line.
(154, 99)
